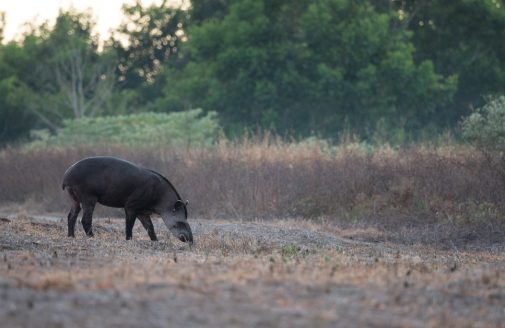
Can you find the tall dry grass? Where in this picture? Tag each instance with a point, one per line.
(270, 178)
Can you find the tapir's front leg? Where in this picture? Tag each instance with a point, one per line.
(131, 215)
(148, 225)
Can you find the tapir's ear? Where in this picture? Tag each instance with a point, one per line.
(181, 202)
(187, 202)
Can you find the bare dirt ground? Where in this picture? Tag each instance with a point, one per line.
(280, 273)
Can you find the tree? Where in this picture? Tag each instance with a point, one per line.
(204, 10)
(15, 121)
(72, 79)
(153, 36)
(305, 66)
(16, 64)
(461, 38)
(83, 76)
(2, 25)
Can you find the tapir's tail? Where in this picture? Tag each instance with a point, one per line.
(64, 183)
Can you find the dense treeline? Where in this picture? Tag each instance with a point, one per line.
(391, 70)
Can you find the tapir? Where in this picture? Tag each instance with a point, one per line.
(119, 183)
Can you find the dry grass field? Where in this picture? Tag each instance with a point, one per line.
(410, 237)
(242, 273)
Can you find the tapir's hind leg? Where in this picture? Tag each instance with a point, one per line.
(72, 217)
(148, 225)
(88, 207)
(74, 211)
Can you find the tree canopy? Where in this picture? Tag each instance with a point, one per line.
(311, 67)
(404, 69)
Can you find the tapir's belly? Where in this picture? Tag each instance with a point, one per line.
(111, 202)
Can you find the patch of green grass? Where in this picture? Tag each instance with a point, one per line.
(290, 251)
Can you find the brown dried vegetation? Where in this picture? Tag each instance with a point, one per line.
(280, 273)
(450, 193)
(285, 236)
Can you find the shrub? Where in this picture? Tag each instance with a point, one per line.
(485, 128)
(176, 129)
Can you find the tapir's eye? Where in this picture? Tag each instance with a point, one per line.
(173, 210)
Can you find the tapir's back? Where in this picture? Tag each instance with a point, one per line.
(110, 180)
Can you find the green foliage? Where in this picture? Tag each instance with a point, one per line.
(53, 74)
(290, 251)
(485, 128)
(2, 25)
(388, 71)
(178, 128)
(15, 120)
(307, 67)
(154, 35)
(461, 38)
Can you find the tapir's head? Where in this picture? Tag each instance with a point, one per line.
(176, 220)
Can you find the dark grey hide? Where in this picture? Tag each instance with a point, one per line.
(115, 182)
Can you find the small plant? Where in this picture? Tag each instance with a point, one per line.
(290, 251)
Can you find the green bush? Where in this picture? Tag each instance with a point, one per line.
(177, 128)
(485, 128)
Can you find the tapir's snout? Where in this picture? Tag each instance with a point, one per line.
(183, 232)
(186, 238)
